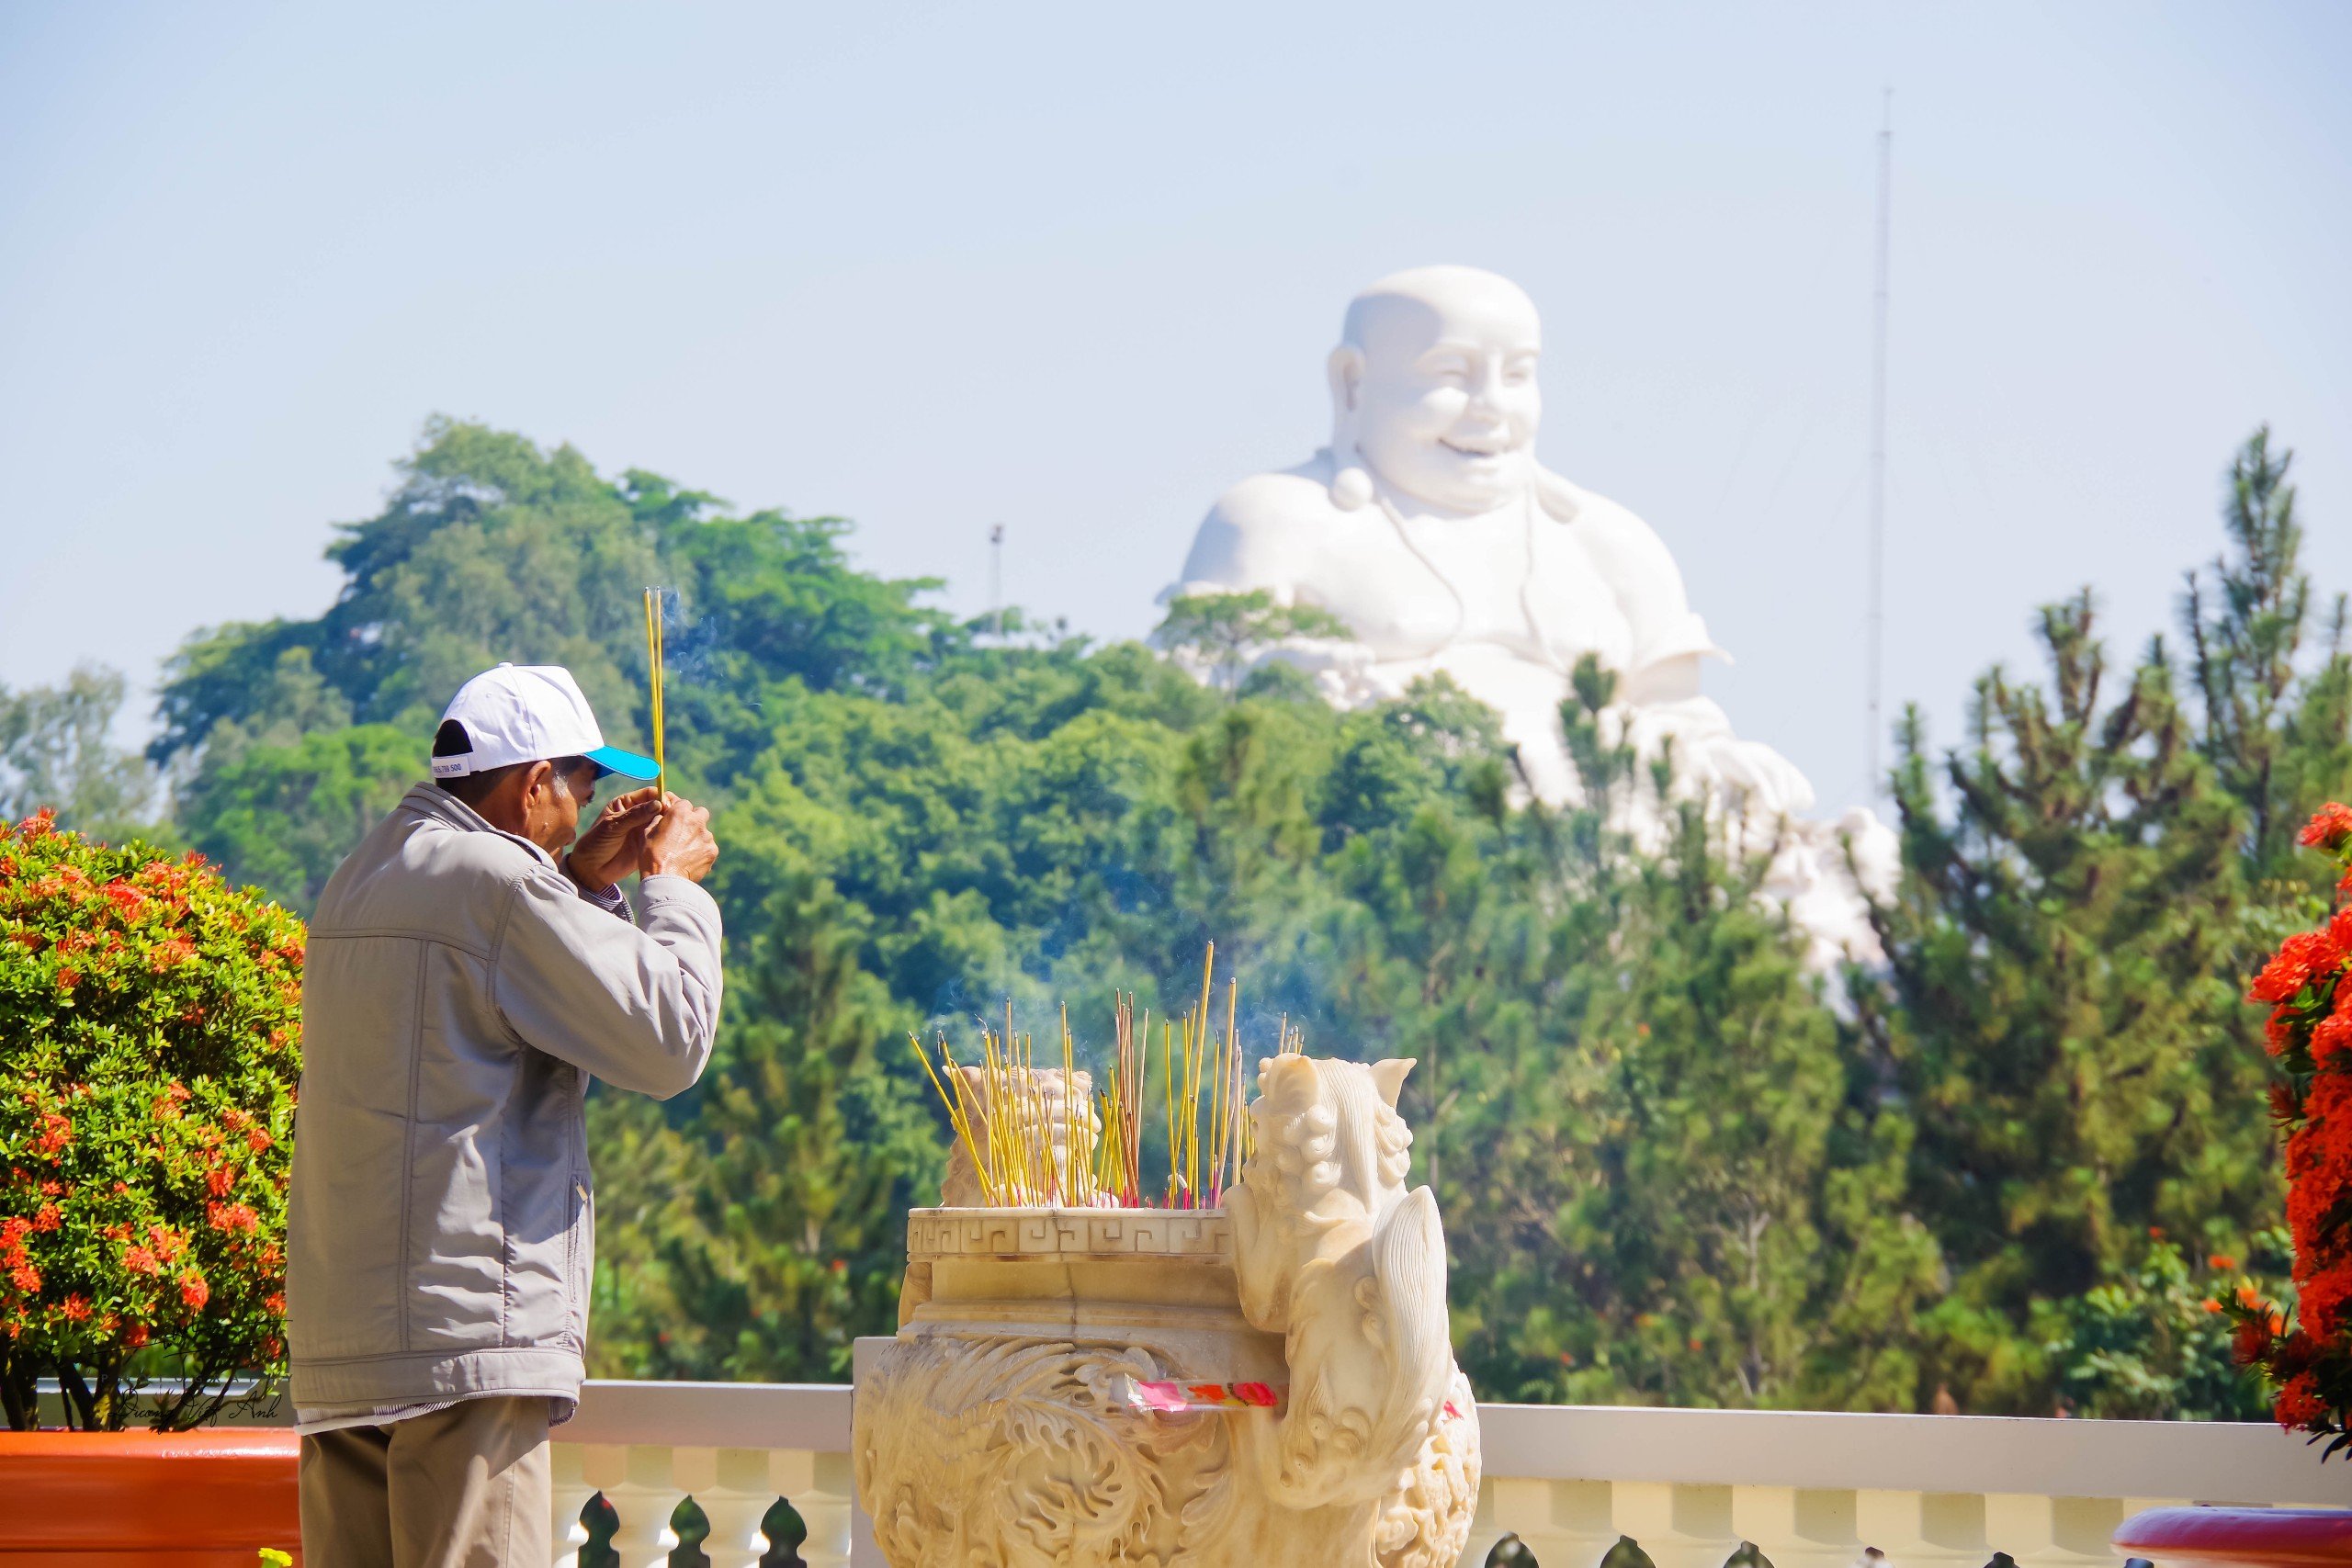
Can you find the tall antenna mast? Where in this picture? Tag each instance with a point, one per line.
(1876, 657)
(996, 578)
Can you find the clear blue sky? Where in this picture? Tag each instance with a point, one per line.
(1075, 267)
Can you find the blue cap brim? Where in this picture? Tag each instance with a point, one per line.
(628, 764)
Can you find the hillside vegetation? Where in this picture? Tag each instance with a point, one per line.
(2006, 1174)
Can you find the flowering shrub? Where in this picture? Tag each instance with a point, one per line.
(2308, 984)
(149, 1048)
(2154, 1344)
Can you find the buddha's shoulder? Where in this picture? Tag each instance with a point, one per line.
(1288, 499)
(1271, 530)
(1594, 520)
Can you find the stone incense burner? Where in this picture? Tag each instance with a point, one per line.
(1266, 1383)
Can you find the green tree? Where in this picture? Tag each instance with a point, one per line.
(2277, 725)
(790, 1237)
(1676, 1182)
(1225, 632)
(55, 751)
(2083, 884)
(283, 816)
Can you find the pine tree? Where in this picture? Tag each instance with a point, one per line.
(2276, 724)
(783, 1237)
(1673, 1182)
(2084, 884)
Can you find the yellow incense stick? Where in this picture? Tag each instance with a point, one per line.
(1204, 1097)
(653, 615)
(1168, 1066)
(956, 1119)
(1070, 1108)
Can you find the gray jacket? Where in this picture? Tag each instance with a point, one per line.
(459, 994)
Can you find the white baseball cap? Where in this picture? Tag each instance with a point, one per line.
(529, 713)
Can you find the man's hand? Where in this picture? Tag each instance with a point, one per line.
(680, 843)
(613, 845)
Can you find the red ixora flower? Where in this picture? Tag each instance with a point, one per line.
(127, 901)
(2323, 1300)
(2299, 958)
(2299, 1403)
(193, 1291)
(2334, 1032)
(140, 1260)
(2278, 1030)
(76, 1310)
(232, 1217)
(55, 1133)
(2329, 828)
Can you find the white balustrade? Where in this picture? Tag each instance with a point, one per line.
(1805, 1489)
(1818, 1490)
(735, 1448)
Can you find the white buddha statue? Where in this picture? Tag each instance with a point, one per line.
(1429, 528)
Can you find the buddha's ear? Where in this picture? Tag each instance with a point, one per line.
(1346, 369)
(1350, 486)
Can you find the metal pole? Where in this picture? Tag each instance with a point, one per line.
(996, 578)
(1877, 623)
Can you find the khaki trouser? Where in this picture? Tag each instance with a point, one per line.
(465, 1487)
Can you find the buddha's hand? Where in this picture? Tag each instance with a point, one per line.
(1772, 783)
(1342, 668)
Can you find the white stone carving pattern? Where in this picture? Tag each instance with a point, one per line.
(975, 1445)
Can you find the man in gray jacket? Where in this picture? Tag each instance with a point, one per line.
(470, 968)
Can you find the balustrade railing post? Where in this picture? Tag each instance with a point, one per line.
(736, 1498)
(1486, 1528)
(1798, 1528)
(2025, 1527)
(818, 1486)
(568, 1493)
(637, 1481)
(1567, 1524)
(1931, 1529)
(1677, 1526)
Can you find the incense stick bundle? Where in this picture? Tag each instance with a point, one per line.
(654, 615)
(1029, 1135)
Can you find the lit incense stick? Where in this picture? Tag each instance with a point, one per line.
(653, 615)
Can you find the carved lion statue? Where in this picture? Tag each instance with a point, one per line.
(1333, 1253)
(980, 1440)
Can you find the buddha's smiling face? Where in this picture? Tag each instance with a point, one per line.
(1442, 375)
